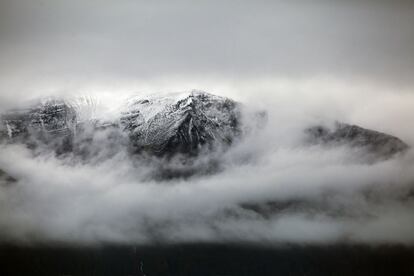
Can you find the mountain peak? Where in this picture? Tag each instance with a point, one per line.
(181, 122)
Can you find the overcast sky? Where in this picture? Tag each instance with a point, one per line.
(74, 45)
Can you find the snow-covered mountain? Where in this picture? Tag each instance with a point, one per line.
(50, 122)
(51, 117)
(164, 125)
(182, 122)
(159, 125)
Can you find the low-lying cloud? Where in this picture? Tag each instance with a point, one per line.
(271, 188)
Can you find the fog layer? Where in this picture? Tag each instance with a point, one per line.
(272, 187)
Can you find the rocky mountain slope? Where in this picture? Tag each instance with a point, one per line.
(165, 125)
(373, 142)
(159, 125)
(181, 123)
(50, 122)
(52, 117)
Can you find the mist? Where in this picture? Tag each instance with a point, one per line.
(271, 189)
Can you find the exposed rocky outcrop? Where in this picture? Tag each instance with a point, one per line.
(51, 117)
(51, 122)
(373, 142)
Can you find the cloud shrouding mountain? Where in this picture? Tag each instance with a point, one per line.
(305, 194)
(305, 63)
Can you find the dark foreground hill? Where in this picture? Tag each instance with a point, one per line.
(208, 260)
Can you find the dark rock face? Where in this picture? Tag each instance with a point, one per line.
(374, 142)
(53, 117)
(183, 123)
(52, 123)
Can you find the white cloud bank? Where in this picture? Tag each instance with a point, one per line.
(306, 194)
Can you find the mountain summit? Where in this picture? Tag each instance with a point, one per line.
(181, 123)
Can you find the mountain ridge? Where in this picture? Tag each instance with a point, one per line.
(166, 125)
